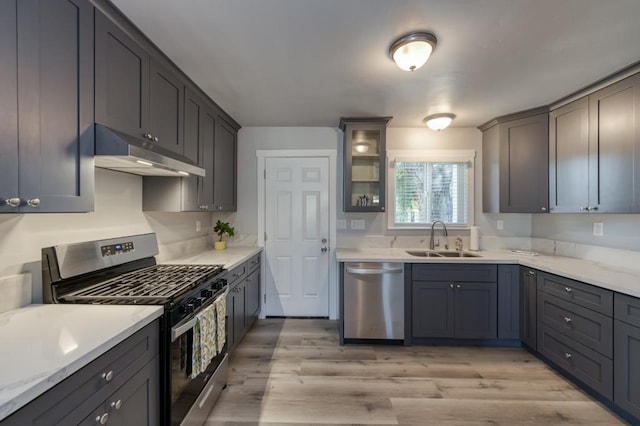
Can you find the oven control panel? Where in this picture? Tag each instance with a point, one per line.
(118, 248)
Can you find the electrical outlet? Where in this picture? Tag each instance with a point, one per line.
(357, 224)
(598, 229)
(500, 224)
(198, 225)
(341, 224)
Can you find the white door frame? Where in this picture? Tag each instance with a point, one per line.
(331, 154)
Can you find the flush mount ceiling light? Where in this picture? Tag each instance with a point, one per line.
(412, 51)
(439, 121)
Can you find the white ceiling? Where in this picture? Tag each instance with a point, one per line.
(309, 62)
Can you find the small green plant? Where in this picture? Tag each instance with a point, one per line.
(223, 229)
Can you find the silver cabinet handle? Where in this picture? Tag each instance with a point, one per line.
(457, 285)
(34, 202)
(544, 209)
(451, 285)
(108, 376)
(568, 289)
(155, 139)
(531, 273)
(116, 404)
(13, 202)
(567, 320)
(567, 355)
(103, 419)
(584, 209)
(148, 136)
(374, 271)
(381, 208)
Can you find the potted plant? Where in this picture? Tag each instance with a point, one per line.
(222, 229)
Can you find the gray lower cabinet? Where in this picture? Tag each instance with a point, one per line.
(243, 300)
(120, 387)
(626, 391)
(509, 302)
(515, 163)
(448, 303)
(225, 178)
(528, 307)
(46, 111)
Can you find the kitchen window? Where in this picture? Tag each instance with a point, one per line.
(430, 185)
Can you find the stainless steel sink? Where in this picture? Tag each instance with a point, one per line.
(428, 253)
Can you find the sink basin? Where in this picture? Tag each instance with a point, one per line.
(457, 254)
(427, 253)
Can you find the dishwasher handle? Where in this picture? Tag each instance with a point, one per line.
(374, 271)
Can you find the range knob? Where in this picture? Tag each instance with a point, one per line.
(197, 303)
(188, 308)
(205, 294)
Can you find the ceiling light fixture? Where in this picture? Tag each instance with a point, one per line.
(412, 51)
(439, 121)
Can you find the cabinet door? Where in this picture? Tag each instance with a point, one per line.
(166, 107)
(8, 105)
(432, 309)
(614, 148)
(569, 157)
(524, 165)
(122, 79)
(239, 312)
(253, 296)
(55, 98)
(192, 185)
(137, 401)
(476, 310)
(230, 321)
(626, 391)
(508, 302)
(364, 167)
(225, 168)
(208, 140)
(528, 307)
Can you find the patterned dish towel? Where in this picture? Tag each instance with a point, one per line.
(208, 335)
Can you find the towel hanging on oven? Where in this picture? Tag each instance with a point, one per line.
(208, 335)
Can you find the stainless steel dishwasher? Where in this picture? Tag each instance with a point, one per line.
(373, 301)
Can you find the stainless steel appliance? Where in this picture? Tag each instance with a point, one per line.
(374, 301)
(124, 271)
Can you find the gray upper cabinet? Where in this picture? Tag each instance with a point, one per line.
(47, 117)
(122, 79)
(364, 163)
(225, 179)
(614, 147)
(166, 93)
(569, 157)
(135, 92)
(594, 146)
(515, 163)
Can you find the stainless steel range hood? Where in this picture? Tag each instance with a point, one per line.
(125, 153)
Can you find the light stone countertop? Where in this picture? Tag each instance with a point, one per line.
(229, 257)
(44, 344)
(623, 280)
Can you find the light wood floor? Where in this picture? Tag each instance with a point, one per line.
(294, 372)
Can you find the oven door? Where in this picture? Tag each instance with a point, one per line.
(193, 397)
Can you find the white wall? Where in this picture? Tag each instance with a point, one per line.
(118, 212)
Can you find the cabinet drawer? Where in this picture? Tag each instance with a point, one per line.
(590, 367)
(454, 272)
(590, 328)
(627, 309)
(236, 273)
(253, 262)
(592, 297)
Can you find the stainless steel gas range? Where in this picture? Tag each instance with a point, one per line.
(124, 271)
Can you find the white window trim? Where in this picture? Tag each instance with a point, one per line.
(452, 155)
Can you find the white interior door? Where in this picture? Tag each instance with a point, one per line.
(297, 236)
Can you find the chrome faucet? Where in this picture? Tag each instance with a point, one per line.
(432, 244)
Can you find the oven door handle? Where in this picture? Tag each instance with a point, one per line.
(181, 329)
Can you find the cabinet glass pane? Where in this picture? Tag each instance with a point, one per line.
(365, 168)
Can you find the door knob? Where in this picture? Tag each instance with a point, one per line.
(13, 202)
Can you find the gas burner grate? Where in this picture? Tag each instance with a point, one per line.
(153, 285)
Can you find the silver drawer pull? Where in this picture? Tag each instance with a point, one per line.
(103, 419)
(531, 273)
(567, 319)
(13, 202)
(567, 355)
(108, 376)
(116, 404)
(567, 289)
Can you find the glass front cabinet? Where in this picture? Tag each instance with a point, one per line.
(364, 163)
